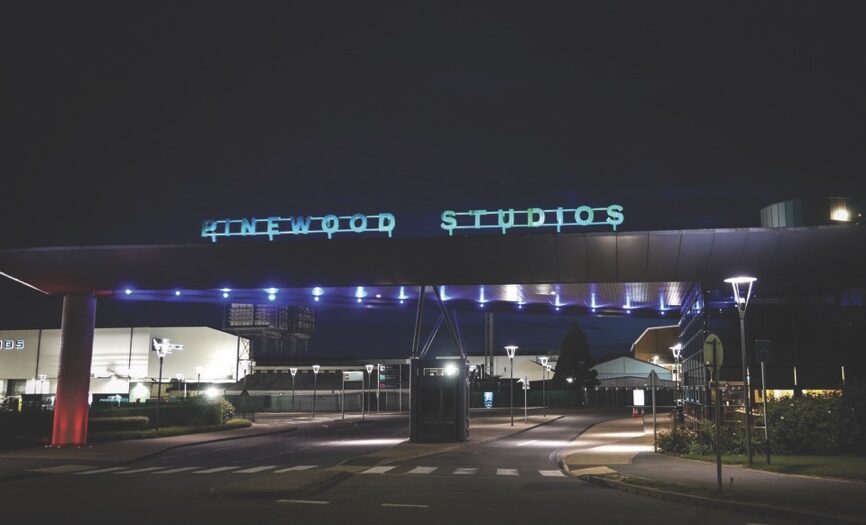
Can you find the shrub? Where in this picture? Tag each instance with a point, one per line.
(675, 441)
(809, 425)
(107, 424)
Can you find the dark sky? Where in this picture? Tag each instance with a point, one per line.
(129, 122)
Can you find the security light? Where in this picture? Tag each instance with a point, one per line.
(293, 371)
(316, 369)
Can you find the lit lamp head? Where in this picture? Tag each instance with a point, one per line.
(450, 370)
(316, 369)
(549, 368)
(511, 350)
(369, 368)
(677, 350)
(741, 299)
(543, 359)
(293, 371)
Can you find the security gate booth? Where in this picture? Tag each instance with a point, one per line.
(440, 401)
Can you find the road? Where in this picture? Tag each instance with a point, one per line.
(515, 479)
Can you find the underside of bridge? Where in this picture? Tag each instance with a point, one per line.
(626, 273)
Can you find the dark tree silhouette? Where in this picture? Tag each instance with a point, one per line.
(574, 360)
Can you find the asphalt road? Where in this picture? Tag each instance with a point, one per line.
(511, 480)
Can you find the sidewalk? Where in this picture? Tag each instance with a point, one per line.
(622, 447)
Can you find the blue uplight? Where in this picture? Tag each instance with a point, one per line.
(271, 291)
(177, 292)
(127, 291)
(402, 294)
(225, 295)
(316, 298)
(358, 299)
(360, 293)
(318, 292)
(272, 296)
(481, 298)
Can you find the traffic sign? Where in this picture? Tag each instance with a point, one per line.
(711, 343)
(763, 351)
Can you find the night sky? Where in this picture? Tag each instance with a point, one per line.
(130, 122)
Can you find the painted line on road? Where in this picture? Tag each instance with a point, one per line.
(136, 471)
(307, 501)
(506, 472)
(61, 469)
(175, 470)
(552, 473)
(99, 471)
(523, 444)
(253, 470)
(295, 468)
(465, 471)
(405, 505)
(378, 470)
(213, 470)
(422, 470)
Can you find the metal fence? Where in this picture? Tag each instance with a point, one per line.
(328, 401)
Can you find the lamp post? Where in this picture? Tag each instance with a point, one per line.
(544, 360)
(677, 350)
(197, 381)
(161, 351)
(315, 387)
(742, 302)
(369, 369)
(293, 371)
(378, 385)
(511, 350)
(181, 379)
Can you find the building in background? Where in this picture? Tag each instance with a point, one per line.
(125, 366)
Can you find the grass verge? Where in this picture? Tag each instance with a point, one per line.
(166, 431)
(847, 467)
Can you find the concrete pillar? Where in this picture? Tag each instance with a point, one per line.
(73, 381)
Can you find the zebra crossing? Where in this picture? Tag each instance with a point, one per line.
(378, 470)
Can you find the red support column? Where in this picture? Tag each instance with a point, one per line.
(73, 382)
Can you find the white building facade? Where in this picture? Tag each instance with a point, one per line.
(124, 360)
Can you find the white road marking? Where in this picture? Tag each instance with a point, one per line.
(506, 472)
(551, 473)
(308, 501)
(465, 471)
(212, 470)
(100, 471)
(175, 470)
(253, 470)
(378, 470)
(406, 505)
(526, 443)
(136, 471)
(296, 467)
(422, 470)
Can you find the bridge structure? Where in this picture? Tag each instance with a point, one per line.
(618, 273)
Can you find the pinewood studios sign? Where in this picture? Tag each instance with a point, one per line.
(359, 223)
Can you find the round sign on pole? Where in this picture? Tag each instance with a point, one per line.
(712, 342)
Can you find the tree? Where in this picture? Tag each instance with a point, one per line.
(574, 361)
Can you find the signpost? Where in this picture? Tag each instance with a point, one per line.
(764, 354)
(713, 356)
(525, 382)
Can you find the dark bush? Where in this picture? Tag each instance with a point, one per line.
(675, 441)
(808, 425)
(188, 413)
(109, 424)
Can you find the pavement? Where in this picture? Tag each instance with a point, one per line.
(619, 453)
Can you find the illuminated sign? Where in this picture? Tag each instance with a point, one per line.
(301, 225)
(501, 219)
(164, 347)
(12, 344)
(557, 218)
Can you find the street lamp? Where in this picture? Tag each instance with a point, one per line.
(742, 302)
(293, 371)
(511, 350)
(364, 388)
(544, 360)
(677, 351)
(315, 387)
(181, 378)
(197, 381)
